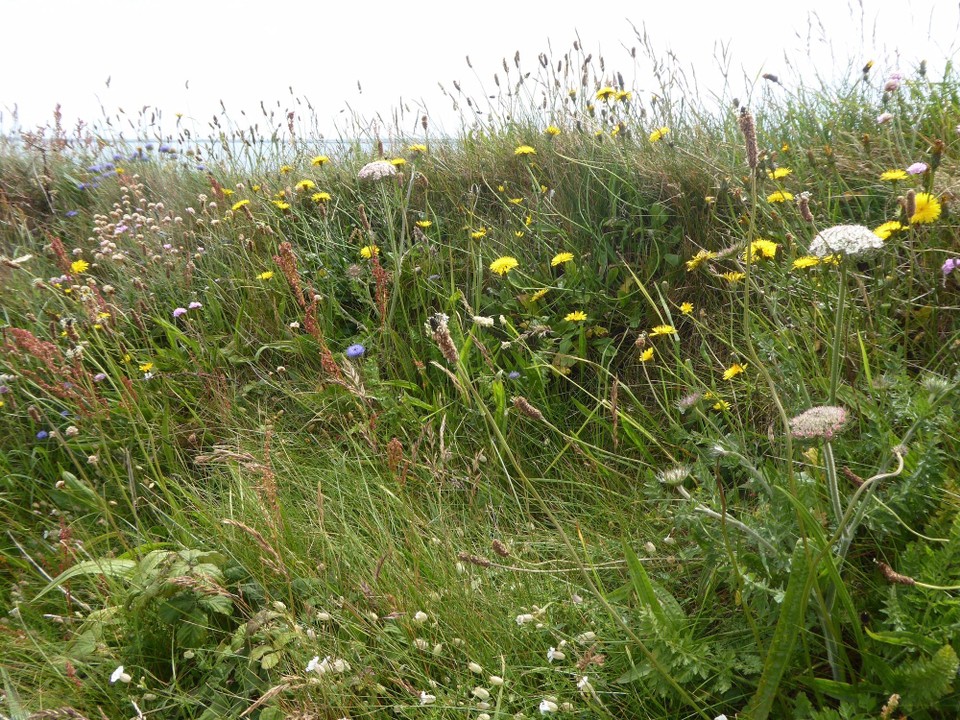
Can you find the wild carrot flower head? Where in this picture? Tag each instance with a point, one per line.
(850, 240)
(377, 170)
(822, 421)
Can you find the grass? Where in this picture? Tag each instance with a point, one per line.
(572, 482)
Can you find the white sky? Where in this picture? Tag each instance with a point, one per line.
(64, 51)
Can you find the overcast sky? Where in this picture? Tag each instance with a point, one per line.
(185, 57)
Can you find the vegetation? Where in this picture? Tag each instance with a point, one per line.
(604, 408)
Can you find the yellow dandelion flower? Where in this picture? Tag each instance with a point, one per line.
(779, 173)
(320, 160)
(710, 199)
(659, 134)
(518, 233)
(418, 148)
(928, 209)
(552, 130)
(761, 248)
(79, 266)
(424, 224)
(894, 175)
(127, 357)
(646, 355)
(575, 316)
(397, 162)
(516, 201)
(615, 131)
(503, 265)
(368, 251)
(524, 150)
(305, 185)
(606, 93)
(887, 229)
(686, 308)
(538, 295)
(561, 258)
(663, 330)
(103, 315)
(732, 277)
(265, 275)
(785, 147)
(734, 370)
(239, 204)
(721, 405)
(477, 234)
(256, 188)
(281, 204)
(701, 257)
(624, 95)
(528, 220)
(285, 169)
(120, 171)
(501, 188)
(320, 197)
(779, 196)
(227, 192)
(146, 367)
(805, 261)
(543, 188)
(831, 259)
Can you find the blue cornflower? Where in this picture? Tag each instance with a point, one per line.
(43, 435)
(164, 148)
(513, 375)
(149, 146)
(72, 213)
(355, 351)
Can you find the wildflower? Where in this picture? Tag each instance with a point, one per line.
(539, 294)
(822, 421)
(119, 675)
(194, 305)
(851, 240)
(624, 95)
(893, 175)
(356, 350)
(552, 130)
(950, 265)
(495, 680)
(524, 619)
(43, 435)
(368, 251)
(516, 201)
(887, 229)
(779, 196)
(561, 258)
(477, 234)
(659, 134)
(503, 265)
(179, 312)
(721, 405)
(285, 169)
(481, 693)
(281, 204)
(732, 371)
(663, 330)
(99, 377)
(419, 148)
(701, 256)
(917, 168)
(686, 308)
(805, 261)
(606, 93)
(513, 375)
(554, 654)
(524, 150)
(646, 355)
(733, 277)
(439, 331)
(146, 367)
(779, 173)
(314, 664)
(884, 117)
(72, 213)
(927, 211)
(482, 321)
(397, 162)
(575, 316)
(305, 185)
(427, 699)
(239, 204)
(320, 197)
(583, 684)
(761, 248)
(424, 224)
(376, 170)
(892, 83)
(688, 401)
(265, 275)
(548, 706)
(320, 160)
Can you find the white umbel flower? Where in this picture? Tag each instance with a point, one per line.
(377, 170)
(849, 240)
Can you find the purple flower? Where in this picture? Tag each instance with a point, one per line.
(884, 118)
(179, 312)
(164, 148)
(118, 157)
(918, 168)
(513, 375)
(99, 377)
(149, 146)
(355, 351)
(43, 435)
(194, 305)
(893, 82)
(4, 389)
(72, 213)
(950, 265)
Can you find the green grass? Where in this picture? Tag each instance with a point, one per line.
(219, 495)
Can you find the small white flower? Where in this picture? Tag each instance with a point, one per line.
(421, 644)
(119, 676)
(649, 547)
(495, 680)
(483, 716)
(548, 706)
(426, 698)
(849, 240)
(554, 654)
(583, 684)
(420, 617)
(524, 619)
(481, 693)
(314, 664)
(720, 717)
(483, 321)
(377, 170)
(474, 668)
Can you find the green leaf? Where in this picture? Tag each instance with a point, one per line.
(642, 585)
(109, 567)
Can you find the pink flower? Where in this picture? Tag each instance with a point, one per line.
(893, 82)
(179, 312)
(918, 168)
(884, 118)
(194, 305)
